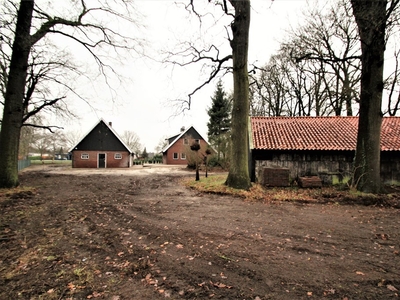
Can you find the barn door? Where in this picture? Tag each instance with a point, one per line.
(102, 160)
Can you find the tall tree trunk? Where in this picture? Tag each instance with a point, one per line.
(238, 176)
(371, 20)
(13, 102)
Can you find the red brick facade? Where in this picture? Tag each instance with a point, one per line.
(92, 159)
(101, 148)
(180, 153)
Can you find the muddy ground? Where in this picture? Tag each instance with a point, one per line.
(141, 234)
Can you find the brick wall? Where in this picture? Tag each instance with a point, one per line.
(92, 161)
(179, 147)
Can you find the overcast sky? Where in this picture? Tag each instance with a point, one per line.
(144, 103)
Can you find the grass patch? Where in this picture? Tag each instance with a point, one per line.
(51, 162)
(17, 192)
(216, 184)
(213, 184)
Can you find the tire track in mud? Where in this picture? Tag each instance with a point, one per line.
(168, 244)
(202, 258)
(178, 249)
(148, 235)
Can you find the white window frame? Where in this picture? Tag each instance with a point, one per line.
(185, 141)
(197, 141)
(84, 156)
(117, 156)
(175, 155)
(183, 155)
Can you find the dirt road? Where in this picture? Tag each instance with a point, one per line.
(140, 234)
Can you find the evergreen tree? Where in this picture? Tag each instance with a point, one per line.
(145, 154)
(220, 119)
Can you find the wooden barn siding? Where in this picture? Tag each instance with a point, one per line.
(111, 162)
(324, 164)
(390, 167)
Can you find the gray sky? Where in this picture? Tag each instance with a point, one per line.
(144, 99)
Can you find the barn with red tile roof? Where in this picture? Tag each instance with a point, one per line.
(319, 146)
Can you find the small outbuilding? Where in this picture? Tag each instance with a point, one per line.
(318, 146)
(101, 148)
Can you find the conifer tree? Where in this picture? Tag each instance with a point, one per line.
(220, 118)
(144, 153)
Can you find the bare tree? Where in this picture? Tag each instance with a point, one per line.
(81, 24)
(299, 85)
(13, 110)
(391, 85)
(26, 141)
(162, 143)
(371, 18)
(132, 140)
(238, 176)
(43, 143)
(269, 89)
(72, 138)
(330, 40)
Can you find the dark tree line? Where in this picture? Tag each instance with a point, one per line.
(317, 70)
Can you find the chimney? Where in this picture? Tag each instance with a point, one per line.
(110, 124)
(182, 128)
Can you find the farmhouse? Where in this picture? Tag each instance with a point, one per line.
(318, 146)
(178, 152)
(101, 148)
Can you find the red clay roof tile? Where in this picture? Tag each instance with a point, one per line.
(317, 133)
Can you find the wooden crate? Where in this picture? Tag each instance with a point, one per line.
(310, 182)
(269, 176)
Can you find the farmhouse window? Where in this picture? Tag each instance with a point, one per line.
(185, 141)
(197, 141)
(175, 155)
(117, 156)
(183, 155)
(84, 156)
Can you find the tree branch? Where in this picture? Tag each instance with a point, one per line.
(309, 56)
(46, 103)
(49, 128)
